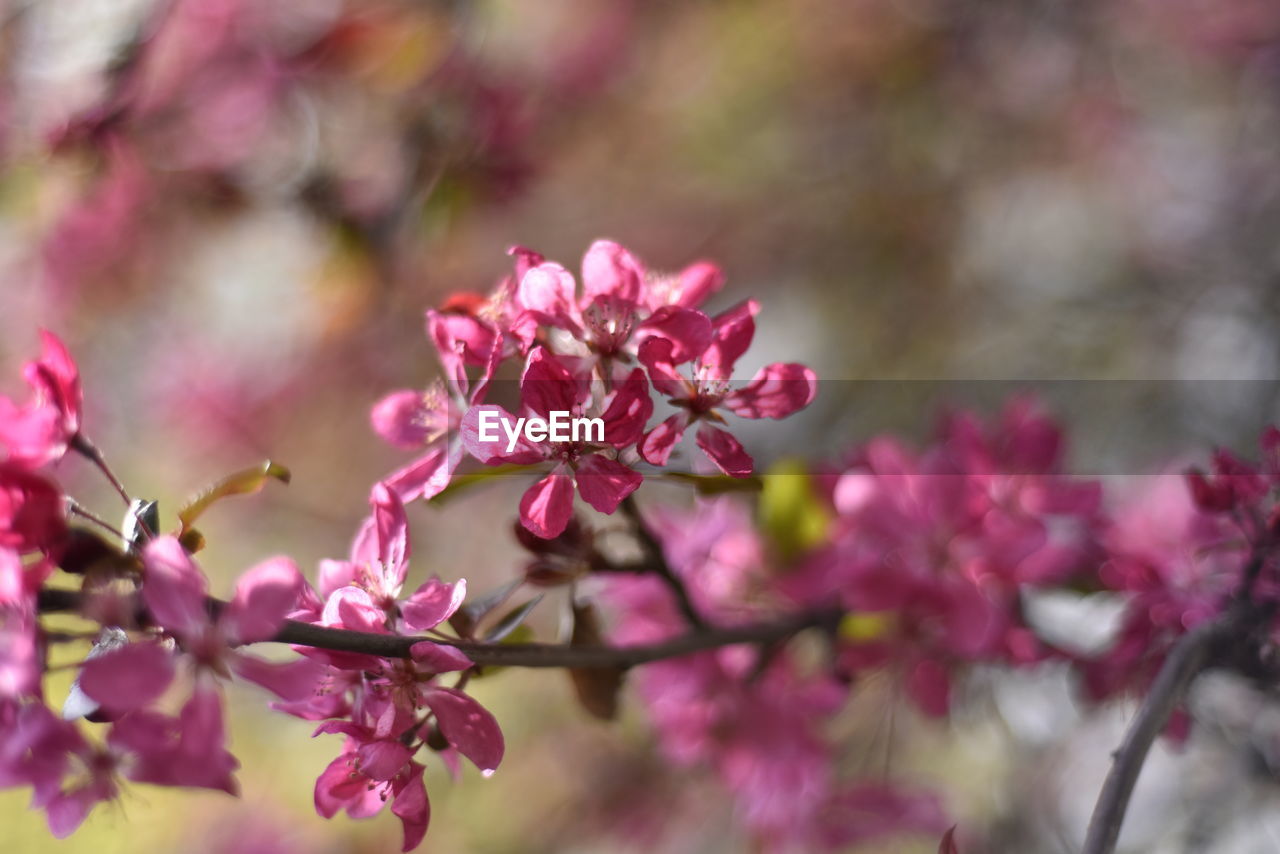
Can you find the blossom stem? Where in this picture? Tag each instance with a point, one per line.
(543, 655)
(656, 562)
(97, 520)
(81, 444)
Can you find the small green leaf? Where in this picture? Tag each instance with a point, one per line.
(462, 482)
(511, 620)
(715, 484)
(791, 514)
(465, 618)
(861, 628)
(243, 482)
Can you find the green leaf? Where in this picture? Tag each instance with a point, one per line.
(511, 620)
(715, 484)
(465, 618)
(243, 482)
(792, 515)
(462, 482)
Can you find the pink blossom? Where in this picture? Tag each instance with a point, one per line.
(431, 419)
(33, 513)
(175, 591)
(776, 391)
(601, 479)
(40, 431)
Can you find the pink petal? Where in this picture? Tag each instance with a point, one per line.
(413, 809)
(493, 452)
(339, 786)
(468, 337)
(425, 477)
(392, 531)
(401, 419)
(382, 759)
(467, 726)
(725, 451)
(546, 506)
(336, 574)
(548, 288)
(734, 330)
(432, 604)
(627, 410)
(548, 385)
(174, 588)
(351, 608)
(610, 270)
(689, 331)
(698, 282)
(128, 677)
(291, 681)
(603, 482)
(264, 596)
(776, 391)
(657, 354)
(439, 658)
(657, 444)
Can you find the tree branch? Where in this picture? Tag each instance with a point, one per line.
(511, 655)
(1190, 656)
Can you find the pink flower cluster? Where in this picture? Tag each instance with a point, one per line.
(934, 548)
(152, 679)
(760, 720)
(596, 351)
(388, 709)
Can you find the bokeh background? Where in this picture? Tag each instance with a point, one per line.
(235, 212)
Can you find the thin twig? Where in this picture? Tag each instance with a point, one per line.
(510, 655)
(657, 562)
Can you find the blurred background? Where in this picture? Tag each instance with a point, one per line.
(235, 212)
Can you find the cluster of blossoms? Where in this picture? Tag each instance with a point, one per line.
(918, 563)
(164, 646)
(600, 351)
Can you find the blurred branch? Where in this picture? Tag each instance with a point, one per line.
(510, 655)
(1193, 653)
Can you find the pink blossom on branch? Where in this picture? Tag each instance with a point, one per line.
(39, 432)
(776, 391)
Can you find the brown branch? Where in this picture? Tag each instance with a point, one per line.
(656, 561)
(1190, 655)
(514, 655)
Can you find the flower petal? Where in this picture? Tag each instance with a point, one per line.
(466, 725)
(546, 506)
(609, 270)
(627, 410)
(688, 330)
(128, 677)
(733, 331)
(657, 444)
(603, 482)
(439, 657)
(174, 588)
(432, 604)
(289, 680)
(413, 809)
(776, 391)
(264, 596)
(725, 451)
